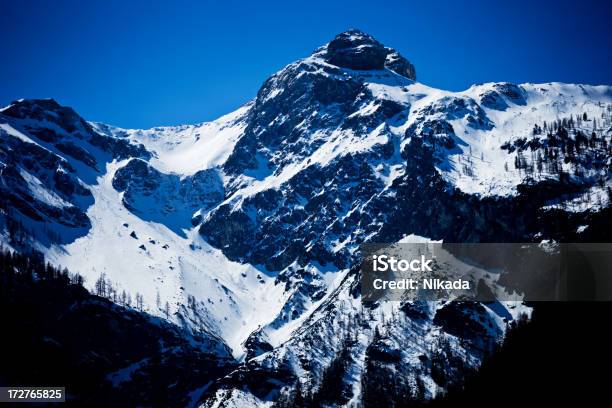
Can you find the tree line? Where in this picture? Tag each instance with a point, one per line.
(31, 267)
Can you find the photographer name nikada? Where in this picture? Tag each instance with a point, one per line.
(425, 283)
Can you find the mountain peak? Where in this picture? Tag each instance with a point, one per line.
(357, 50)
(48, 110)
(20, 104)
(357, 36)
(22, 108)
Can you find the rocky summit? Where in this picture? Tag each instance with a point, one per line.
(357, 50)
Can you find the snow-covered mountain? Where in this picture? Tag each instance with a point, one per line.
(249, 227)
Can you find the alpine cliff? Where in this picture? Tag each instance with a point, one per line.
(247, 229)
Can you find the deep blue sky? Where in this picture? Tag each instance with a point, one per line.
(142, 64)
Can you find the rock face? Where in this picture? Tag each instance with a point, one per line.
(40, 185)
(166, 198)
(250, 226)
(400, 65)
(48, 110)
(357, 50)
(49, 156)
(494, 98)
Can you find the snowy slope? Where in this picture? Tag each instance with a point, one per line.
(233, 299)
(542, 102)
(186, 149)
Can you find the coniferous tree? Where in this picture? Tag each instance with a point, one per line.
(167, 310)
(100, 285)
(139, 302)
